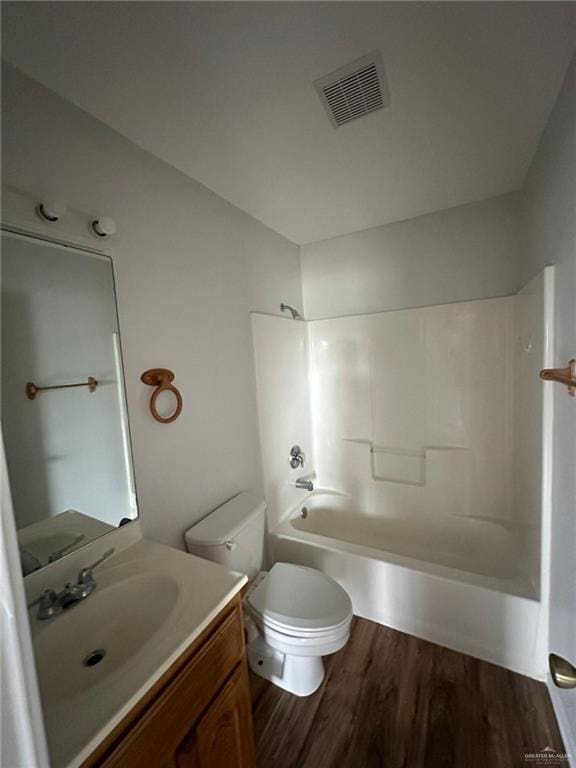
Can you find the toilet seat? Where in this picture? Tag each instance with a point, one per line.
(299, 602)
(306, 645)
(295, 631)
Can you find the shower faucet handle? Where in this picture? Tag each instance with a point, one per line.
(296, 457)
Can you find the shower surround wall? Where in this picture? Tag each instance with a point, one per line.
(412, 409)
(281, 359)
(420, 413)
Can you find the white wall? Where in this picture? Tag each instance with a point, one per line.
(459, 254)
(550, 221)
(189, 268)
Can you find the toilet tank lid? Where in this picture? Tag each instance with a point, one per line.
(226, 521)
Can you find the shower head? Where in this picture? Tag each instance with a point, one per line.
(295, 314)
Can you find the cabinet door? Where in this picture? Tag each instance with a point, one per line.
(167, 727)
(223, 736)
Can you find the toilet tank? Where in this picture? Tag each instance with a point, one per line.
(233, 535)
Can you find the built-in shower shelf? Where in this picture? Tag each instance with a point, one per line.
(397, 465)
(406, 466)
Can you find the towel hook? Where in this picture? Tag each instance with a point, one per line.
(566, 376)
(162, 379)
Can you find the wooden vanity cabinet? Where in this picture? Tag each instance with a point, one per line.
(198, 714)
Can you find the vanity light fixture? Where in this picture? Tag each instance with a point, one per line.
(104, 226)
(51, 210)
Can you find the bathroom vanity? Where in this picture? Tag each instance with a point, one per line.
(150, 669)
(197, 714)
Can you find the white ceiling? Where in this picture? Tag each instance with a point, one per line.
(223, 91)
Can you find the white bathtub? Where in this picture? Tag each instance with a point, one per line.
(454, 581)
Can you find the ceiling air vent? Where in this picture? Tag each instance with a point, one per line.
(355, 89)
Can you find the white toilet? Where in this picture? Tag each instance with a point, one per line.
(294, 615)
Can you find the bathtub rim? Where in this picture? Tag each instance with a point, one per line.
(521, 588)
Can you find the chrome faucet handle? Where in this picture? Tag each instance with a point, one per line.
(51, 603)
(85, 576)
(296, 457)
(48, 604)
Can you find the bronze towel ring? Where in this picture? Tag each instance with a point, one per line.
(162, 379)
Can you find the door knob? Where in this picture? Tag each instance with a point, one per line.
(563, 673)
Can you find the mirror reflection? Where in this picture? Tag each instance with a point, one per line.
(63, 403)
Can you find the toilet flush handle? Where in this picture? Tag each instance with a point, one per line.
(231, 545)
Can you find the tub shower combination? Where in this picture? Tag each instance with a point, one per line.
(428, 443)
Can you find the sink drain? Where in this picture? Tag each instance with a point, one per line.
(95, 657)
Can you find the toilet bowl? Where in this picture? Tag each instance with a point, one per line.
(301, 615)
(294, 615)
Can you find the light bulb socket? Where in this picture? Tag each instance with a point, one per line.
(104, 227)
(96, 230)
(51, 211)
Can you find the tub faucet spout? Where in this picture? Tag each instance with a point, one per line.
(306, 485)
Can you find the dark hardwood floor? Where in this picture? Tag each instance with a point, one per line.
(390, 700)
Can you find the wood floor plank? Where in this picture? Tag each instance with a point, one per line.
(390, 700)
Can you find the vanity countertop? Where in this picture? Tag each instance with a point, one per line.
(151, 603)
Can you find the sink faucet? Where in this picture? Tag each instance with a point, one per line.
(51, 603)
(307, 485)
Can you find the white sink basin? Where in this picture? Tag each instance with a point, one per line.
(98, 658)
(116, 621)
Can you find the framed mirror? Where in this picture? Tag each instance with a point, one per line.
(64, 414)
